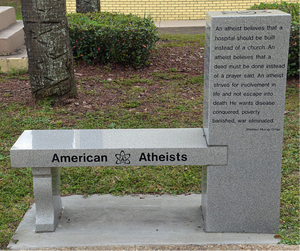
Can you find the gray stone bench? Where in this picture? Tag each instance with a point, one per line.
(48, 150)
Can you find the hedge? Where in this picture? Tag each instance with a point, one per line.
(293, 9)
(112, 37)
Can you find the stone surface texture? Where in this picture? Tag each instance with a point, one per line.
(46, 187)
(7, 16)
(38, 148)
(11, 38)
(245, 76)
(128, 220)
(11, 31)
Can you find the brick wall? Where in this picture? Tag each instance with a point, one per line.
(71, 5)
(162, 10)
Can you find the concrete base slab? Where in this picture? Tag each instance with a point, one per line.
(18, 60)
(130, 220)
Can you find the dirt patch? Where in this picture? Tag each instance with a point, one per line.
(93, 80)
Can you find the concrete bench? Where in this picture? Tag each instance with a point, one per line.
(48, 150)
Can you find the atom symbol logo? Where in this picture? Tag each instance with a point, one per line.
(122, 158)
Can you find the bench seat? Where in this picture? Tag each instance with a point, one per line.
(114, 147)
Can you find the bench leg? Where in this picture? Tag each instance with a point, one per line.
(46, 187)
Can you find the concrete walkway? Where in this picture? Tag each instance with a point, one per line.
(108, 220)
(181, 27)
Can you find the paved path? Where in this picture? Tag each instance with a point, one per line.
(181, 27)
(243, 247)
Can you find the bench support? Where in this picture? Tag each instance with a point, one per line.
(46, 187)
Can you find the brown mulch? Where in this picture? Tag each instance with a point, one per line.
(186, 61)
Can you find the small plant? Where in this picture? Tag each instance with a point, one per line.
(92, 92)
(131, 104)
(2, 157)
(17, 72)
(173, 70)
(195, 80)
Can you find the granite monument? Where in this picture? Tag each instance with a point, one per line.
(246, 56)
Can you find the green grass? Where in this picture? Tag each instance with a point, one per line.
(289, 214)
(183, 40)
(172, 110)
(13, 3)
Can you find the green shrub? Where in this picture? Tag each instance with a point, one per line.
(283, 6)
(112, 37)
(293, 66)
(293, 9)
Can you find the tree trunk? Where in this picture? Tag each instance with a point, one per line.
(47, 40)
(84, 6)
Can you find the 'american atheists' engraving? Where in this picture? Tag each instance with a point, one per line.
(162, 157)
(121, 158)
(78, 158)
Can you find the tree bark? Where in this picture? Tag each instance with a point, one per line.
(49, 52)
(84, 6)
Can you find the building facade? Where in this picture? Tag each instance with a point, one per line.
(163, 10)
